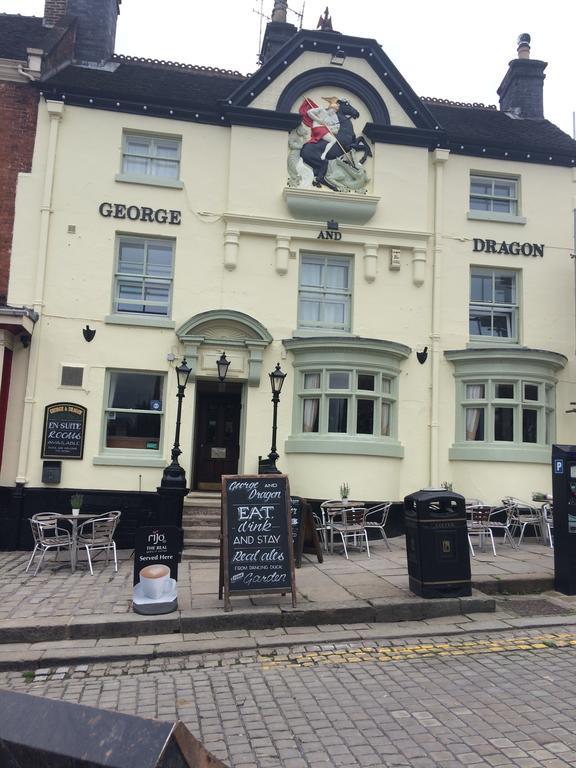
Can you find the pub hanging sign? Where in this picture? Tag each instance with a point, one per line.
(64, 430)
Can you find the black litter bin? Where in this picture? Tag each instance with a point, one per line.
(437, 544)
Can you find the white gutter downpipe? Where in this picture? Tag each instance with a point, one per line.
(55, 113)
(439, 158)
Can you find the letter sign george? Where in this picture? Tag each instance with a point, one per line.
(140, 213)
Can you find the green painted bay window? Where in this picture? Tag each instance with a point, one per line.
(346, 396)
(505, 403)
(346, 401)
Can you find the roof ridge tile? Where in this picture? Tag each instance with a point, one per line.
(465, 104)
(176, 65)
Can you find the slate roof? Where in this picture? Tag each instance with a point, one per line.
(150, 82)
(17, 33)
(143, 81)
(479, 126)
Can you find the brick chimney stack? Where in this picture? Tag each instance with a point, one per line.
(278, 31)
(521, 91)
(54, 10)
(95, 25)
(280, 10)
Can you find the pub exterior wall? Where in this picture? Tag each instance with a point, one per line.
(235, 177)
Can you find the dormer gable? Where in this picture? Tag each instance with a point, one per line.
(311, 62)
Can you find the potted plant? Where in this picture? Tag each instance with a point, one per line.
(344, 492)
(76, 501)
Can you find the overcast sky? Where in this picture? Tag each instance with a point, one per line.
(449, 49)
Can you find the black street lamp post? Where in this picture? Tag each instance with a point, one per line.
(174, 475)
(276, 381)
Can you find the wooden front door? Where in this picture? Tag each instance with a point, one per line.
(217, 437)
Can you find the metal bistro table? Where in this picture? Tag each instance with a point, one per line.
(73, 520)
(330, 509)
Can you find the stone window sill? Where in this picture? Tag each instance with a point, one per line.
(151, 181)
(525, 454)
(142, 320)
(126, 460)
(506, 218)
(344, 445)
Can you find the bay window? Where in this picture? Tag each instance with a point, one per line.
(346, 396)
(505, 403)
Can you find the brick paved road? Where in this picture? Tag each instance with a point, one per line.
(506, 699)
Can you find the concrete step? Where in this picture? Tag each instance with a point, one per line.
(201, 554)
(207, 542)
(209, 500)
(201, 522)
(201, 533)
(201, 516)
(198, 508)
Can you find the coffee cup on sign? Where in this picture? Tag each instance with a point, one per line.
(154, 579)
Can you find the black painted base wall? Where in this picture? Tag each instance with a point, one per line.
(18, 504)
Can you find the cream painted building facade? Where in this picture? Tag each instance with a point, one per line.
(425, 321)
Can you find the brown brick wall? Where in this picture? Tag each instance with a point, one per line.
(18, 110)
(54, 10)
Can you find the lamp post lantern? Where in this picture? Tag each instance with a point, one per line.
(276, 382)
(174, 475)
(222, 365)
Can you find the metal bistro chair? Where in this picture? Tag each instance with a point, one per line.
(377, 516)
(328, 519)
(548, 522)
(352, 525)
(47, 535)
(503, 519)
(321, 529)
(96, 535)
(524, 515)
(478, 525)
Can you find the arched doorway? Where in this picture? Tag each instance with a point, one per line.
(219, 409)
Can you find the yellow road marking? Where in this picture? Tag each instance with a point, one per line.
(386, 653)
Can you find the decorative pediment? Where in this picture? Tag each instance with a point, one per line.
(206, 335)
(336, 97)
(313, 59)
(227, 325)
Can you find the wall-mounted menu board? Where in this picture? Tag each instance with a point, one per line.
(256, 553)
(64, 429)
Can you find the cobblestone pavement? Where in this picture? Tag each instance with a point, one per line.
(56, 592)
(487, 699)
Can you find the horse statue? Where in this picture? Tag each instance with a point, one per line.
(332, 138)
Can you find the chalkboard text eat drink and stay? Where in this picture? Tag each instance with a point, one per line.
(257, 553)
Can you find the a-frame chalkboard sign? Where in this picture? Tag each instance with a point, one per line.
(256, 551)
